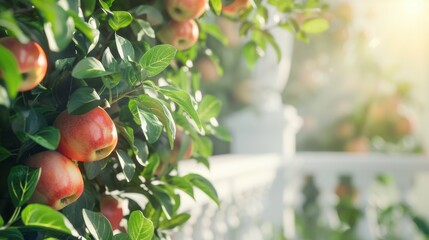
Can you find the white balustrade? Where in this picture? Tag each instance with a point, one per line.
(261, 192)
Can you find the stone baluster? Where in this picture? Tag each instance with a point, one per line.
(404, 182)
(326, 183)
(219, 225)
(367, 222)
(202, 225)
(292, 199)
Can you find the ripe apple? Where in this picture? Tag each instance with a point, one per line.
(88, 137)
(357, 145)
(182, 35)
(111, 208)
(31, 61)
(236, 8)
(208, 69)
(183, 10)
(404, 125)
(60, 181)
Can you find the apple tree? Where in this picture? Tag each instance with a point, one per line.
(99, 101)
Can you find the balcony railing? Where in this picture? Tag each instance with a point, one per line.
(261, 193)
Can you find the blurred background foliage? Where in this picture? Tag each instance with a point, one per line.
(360, 86)
(351, 91)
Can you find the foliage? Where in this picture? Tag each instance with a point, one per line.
(372, 106)
(106, 53)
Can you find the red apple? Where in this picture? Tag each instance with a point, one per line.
(60, 181)
(183, 10)
(88, 137)
(404, 125)
(111, 208)
(208, 69)
(236, 8)
(182, 35)
(31, 60)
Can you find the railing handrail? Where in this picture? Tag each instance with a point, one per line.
(340, 162)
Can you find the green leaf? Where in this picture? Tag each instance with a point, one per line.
(204, 146)
(121, 236)
(83, 100)
(10, 71)
(158, 108)
(158, 58)
(421, 225)
(184, 100)
(127, 164)
(215, 31)
(93, 169)
(149, 123)
(47, 137)
(11, 233)
(85, 28)
(139, 227)
(39, 215)
(120, 19)
(165, 198)
(88, 7)
(216, 6)
(209, 107)
(125, 48)
(59, 26)
(315, 25)
(127, 132)
(27, 121)
(98, 225)
(148, 12)
(203, 160)
(22, 181)
(204, 185)
(175, 221)
(106, 4)
(89, 67)
(261, 16)
(302, 36)
(142, 28)
(7, 20)
(143, 151)
(151, 167)
(222, 133)
(74, 210)
(245, 27)
(111, 81)
(108, 59)
(275, 45)
(4, 154)
(250, 53)
(182, 184)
